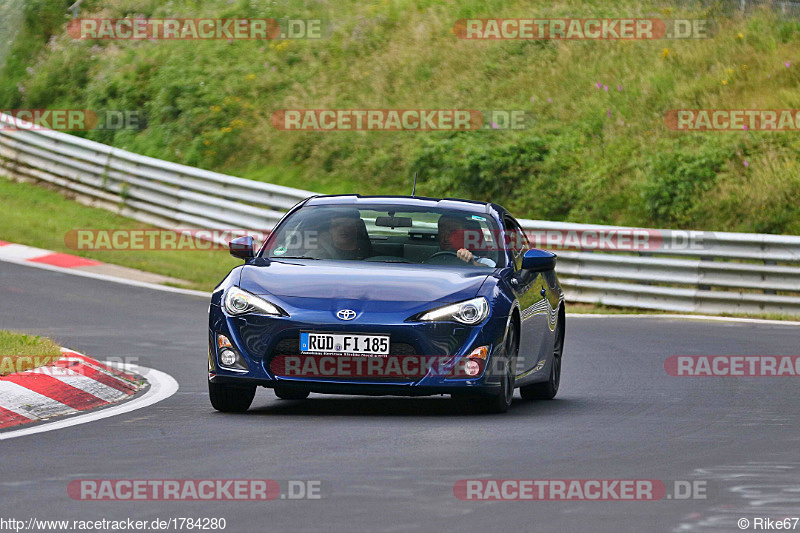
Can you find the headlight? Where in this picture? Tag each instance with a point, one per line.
(468, 312)
(239, 302)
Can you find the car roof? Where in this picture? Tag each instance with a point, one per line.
(416, 201)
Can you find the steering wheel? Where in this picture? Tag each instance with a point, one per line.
(449, 254)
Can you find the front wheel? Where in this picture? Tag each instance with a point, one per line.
(548, 389)
(229, 398)
(501, 402)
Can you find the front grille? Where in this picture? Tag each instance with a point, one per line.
(401, 348)
(287, 347)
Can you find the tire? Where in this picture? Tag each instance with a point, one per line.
(291, 394)
(231, 398)
(501, 402)
(547, 390)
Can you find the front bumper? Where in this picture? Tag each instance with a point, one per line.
(261, 339)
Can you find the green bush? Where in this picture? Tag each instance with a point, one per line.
(468, 164)
(594, 154)
(678, 176)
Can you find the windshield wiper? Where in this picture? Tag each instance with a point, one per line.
(279, 257)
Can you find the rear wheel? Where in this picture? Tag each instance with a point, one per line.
(231, 398)
(291, 394)
(548, 389)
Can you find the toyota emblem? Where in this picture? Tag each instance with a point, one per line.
(346, 314)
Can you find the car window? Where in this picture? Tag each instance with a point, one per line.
(517, 242)
(388, 234)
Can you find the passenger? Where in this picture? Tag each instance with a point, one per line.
(346, 237)
(453, 228)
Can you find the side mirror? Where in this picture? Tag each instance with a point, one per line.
(537, 260)
(242, 247)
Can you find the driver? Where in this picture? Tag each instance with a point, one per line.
(452, 228)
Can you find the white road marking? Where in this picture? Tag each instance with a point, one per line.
(89, 385)
(689, 317)
(20, 252)
(29, 403)
(103, 277)
(162, 386)
(14, 409)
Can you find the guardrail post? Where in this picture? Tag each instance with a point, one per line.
(74, 8)
(704, 287)
(769, 262)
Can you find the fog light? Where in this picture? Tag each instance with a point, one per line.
(467, 368)
(227, 357)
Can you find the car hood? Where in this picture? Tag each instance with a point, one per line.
(363, 281)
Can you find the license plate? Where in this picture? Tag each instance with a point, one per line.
(343, 344)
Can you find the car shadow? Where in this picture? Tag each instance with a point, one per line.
(393, 406)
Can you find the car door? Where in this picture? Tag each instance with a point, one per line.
(529, 288)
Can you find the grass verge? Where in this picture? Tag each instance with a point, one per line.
(39, 217)
(20, 352)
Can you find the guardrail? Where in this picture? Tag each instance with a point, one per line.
(150, 190)
(727, 273)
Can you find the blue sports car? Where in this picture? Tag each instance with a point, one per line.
(388, 295)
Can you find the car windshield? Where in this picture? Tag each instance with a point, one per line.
(388, 234)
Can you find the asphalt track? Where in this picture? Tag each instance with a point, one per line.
(392, 462)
